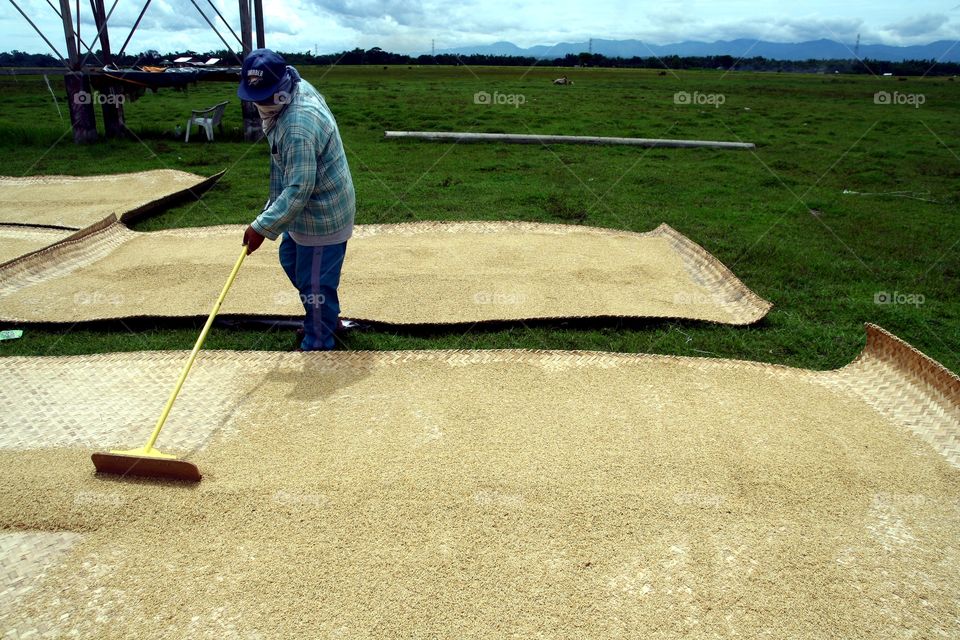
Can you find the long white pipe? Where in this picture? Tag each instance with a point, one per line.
(453, 136)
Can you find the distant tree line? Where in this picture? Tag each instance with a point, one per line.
(377, 56)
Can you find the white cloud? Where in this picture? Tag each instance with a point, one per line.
(918, 25)
(799, 29)
(411, 25)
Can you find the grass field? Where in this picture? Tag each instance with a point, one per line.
(778, 217)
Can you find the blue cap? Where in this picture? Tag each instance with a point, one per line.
(262, 74)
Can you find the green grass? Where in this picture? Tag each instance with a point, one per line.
(816, 135)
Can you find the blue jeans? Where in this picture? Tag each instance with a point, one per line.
(315, 272)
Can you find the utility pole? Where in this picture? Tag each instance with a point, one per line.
(433, 48)
(854, 64)
(591, 47)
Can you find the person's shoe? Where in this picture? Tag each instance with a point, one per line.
(342, 325)
(351, 325)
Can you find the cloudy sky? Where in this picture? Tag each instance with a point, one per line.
(409, 25)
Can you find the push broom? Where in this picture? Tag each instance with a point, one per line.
(147, 461)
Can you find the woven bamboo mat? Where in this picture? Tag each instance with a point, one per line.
(478, 493)
(418, 273)
(76, 202)
(24, 557)
(17, 241)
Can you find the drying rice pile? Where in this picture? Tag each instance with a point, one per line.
(403, 274)
(76, 202)
(16, 241)
(488, 494)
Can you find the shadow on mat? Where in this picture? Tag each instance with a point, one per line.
(414, 330)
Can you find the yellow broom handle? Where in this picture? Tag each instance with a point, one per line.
(196, 349)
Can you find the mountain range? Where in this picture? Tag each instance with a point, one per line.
(942, 50)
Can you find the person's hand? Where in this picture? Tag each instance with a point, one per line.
(252, 240)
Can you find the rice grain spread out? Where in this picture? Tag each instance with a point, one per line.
(76, 202)
(482, 494)
(421, 273)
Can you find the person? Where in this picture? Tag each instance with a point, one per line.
(312, 201)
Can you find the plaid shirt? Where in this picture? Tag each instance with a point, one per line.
(311, 189)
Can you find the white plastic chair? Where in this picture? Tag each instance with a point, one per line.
(207, 119)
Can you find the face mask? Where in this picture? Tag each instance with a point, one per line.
(269, 110)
